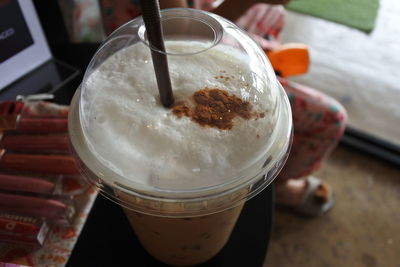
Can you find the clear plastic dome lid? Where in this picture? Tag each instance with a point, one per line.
(230, 121)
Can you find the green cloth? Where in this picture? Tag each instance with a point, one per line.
(359, 14)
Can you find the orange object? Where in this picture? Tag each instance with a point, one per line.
(289, 59)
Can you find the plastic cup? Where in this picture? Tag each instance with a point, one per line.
(186, 224)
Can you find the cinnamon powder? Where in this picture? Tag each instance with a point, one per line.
(215, 108)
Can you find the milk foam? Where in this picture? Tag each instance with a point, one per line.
(129, 131)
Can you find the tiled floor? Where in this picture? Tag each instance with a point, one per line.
(363, 229)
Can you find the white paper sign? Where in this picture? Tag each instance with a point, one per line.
(23, 46)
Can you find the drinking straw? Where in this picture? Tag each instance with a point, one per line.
(151, 17)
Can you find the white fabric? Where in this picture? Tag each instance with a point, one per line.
(358, 69)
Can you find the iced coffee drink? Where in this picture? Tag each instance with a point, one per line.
(182, 174)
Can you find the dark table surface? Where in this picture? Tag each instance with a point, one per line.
(108, 240)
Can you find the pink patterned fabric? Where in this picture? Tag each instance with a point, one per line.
(261, 19)
(319, 122)
(83, 20)
(117, 13)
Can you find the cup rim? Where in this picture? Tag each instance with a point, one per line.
(195, 15)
